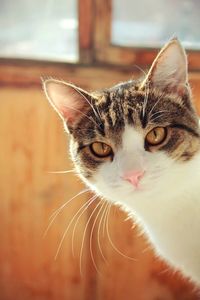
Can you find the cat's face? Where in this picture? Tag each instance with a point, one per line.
(135, 140)
(130, 152)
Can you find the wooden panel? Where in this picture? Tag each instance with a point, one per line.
(33, 143)
(26, 74)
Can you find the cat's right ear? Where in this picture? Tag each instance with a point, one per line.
(69, 101)
(169, 70)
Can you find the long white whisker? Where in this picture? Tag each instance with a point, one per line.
(147, 89)
(75, 225)
(77, 110)
(99, 227)
(55, 213)
(156, 103)
(61, 172)
(83, 129)
(158, 112)
(66, 203)
(140, 69)
(84, 206)
(105, 218)
(84, 235)
(96, 114)
(154, 119)
(110, 240)
(99, 114)
(91, 234)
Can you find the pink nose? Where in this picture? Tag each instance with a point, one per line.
(133, 177)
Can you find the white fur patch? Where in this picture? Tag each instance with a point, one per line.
(167, 205)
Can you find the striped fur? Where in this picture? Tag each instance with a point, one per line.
(126, 103)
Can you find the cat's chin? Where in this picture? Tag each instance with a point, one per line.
(120, 193)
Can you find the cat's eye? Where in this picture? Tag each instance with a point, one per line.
(101, 150)
(156, 136)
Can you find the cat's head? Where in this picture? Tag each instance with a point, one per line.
(138, 138)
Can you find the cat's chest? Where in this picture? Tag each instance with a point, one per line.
(173, 228)
(171, 217)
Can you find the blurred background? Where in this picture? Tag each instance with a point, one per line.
(94, 44)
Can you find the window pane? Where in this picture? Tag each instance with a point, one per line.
(39, 29)
(147, 23)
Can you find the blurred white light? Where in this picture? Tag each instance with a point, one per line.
(68, 23)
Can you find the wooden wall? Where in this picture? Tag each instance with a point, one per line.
(33, 143)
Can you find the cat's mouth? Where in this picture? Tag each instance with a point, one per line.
(139, 188)
(128, 186)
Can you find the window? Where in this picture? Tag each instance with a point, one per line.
(150, 24)
(44, 30)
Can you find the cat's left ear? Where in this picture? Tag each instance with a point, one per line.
(69, 101)
(169, 70)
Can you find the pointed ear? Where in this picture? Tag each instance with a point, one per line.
(69, 101)
(169, 70)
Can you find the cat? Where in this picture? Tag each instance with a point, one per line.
(137, 144)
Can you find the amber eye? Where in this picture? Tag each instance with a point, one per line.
(101, 149)
(156, 136)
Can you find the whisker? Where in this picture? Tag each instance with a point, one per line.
(84, 129)
(55, 213)
(96, 114)
(99, 113)
(91, 234)
(77, 110)
(154, 119)
(84, 234)
(140, 69)
(74, 229)
(99, 227)
(66, 203)
(105, 218)
(147, 89)
(155, 104)
(111, 242)
(84, 206)
(61, 172)
(158, 112)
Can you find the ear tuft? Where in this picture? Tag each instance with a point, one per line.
(69, 101)
(169, 70)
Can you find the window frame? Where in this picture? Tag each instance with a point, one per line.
(96, 17)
